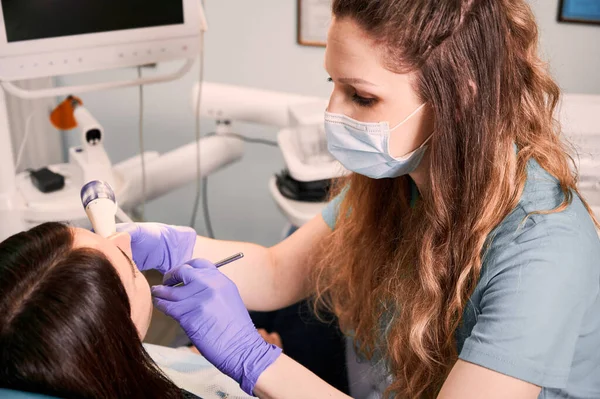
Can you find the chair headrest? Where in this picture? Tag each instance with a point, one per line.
(8, 394)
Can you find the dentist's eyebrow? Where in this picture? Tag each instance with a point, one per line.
(130, 262)
(354, 81)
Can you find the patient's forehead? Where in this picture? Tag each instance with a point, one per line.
(117, 249)
(86, 239)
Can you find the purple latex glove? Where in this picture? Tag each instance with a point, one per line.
(211, 312)
(159, 246)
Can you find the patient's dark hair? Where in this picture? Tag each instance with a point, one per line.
(65, 322)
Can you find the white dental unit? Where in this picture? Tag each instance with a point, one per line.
(41, 39)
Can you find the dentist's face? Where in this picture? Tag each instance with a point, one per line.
(118, 251)
(365, 90)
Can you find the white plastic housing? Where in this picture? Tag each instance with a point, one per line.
(86, 122)
(174, 169)
(245, 104)
(101, 213)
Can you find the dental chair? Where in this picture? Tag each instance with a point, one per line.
(8, 394)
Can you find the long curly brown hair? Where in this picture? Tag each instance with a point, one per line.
(398, 277)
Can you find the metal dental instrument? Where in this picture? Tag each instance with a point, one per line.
(219, 264)
(229, 260)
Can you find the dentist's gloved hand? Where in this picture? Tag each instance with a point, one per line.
(211, 312)
(159, 246)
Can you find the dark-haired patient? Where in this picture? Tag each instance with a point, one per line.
(118, 251)
(74, 310)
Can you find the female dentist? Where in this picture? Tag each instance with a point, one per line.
(459, 254)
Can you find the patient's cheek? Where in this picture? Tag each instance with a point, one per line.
(141, 305)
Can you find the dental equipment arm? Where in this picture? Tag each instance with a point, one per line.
(21, 205)
(172, 170)
(245, 104)
(167, 172)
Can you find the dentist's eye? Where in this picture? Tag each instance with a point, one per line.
(363, 101)
(359, 100)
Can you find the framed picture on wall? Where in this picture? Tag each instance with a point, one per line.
(579, 11)
(314, 17)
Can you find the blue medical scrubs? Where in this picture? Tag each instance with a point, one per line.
(535, 313)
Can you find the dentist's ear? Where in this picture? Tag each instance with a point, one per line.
(123, 241)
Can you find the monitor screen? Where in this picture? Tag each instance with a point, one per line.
(45, 19)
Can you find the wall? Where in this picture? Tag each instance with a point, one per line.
(253, 46)
(573, 50)
(253, 43)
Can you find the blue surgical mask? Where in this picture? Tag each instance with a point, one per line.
(363, 147)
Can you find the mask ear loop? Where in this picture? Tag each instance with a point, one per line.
(416, 111)
(423, 144)
(406, 156)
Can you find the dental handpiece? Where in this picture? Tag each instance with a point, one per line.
(98, 200)
(221, 263)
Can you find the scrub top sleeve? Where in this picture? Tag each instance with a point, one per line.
(532, 306)
(331, 211)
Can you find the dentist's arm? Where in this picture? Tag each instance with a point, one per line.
(209, 309)
(269, 278)
(470, 381)
(286, 379)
